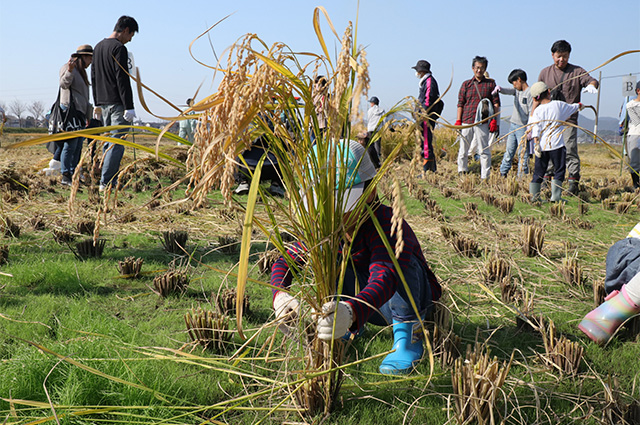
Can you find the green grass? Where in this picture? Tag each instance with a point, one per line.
(85, 313)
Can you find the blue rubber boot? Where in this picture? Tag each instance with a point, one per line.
(407, 354)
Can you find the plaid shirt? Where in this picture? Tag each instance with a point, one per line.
(468, 97)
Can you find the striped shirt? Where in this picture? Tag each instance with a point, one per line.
(368, 252)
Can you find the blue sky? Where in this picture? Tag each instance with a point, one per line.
(37, 38)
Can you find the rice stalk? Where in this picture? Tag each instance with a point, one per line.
(465, 246)
(477, 383)
(623, 207)
(130, 267)
(583, 207)
(171, 282)
(599, 293)
(496, 268)
(175, 241)
(571, 271)
(208, 329)
(561, 354)
(556, 209)
(227, 302)
(532, 239)
(89, 248)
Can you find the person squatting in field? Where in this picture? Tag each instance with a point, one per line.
(382, 298)
(622, 286)
(547, 134)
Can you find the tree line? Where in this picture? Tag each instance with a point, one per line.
(17, 109)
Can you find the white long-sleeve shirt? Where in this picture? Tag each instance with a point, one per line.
(374, 114)
(545, 125)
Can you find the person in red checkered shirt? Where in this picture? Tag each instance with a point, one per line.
(475, 104)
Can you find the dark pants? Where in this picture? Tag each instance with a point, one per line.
(399, 306)
(557, 157)
(623, 263)
(428, 150)
(374, 149)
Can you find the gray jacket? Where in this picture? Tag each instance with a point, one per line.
(73, 81)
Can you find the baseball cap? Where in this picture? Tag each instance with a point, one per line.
(374, 100)
(353, 170)
(538, 88)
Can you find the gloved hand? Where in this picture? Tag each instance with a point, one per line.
(590, 89)
(493, 126)
(341, 314)
(458, 122)
(496, 90)
(285, 305)
(129, 114)
(97, 113)
(536, 151)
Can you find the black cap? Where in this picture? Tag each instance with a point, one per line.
(422, 66)
(374, 100)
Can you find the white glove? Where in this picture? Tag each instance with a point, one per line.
(496, 90)
(590, 89)
(341, 314)
(129, 114)
(536, 151)
(284, 304)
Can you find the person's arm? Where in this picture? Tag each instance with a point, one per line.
(66, 75)
(507, 91)
(462, 100)
(122, 78)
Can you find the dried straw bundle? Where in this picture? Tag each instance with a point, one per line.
(228, 245)
(130, 267)
(4, 254)
(227, 302)
(175, 241)
(556, 209)
(477, 381)
(488, 198)
(465, 246)
(560, 354)
(509, 290)
(599, 293)
(583, 207)
(608, 203)
(496, 268)
(468, 183)
(266, 260)
(505, 204)
(471, 208)
(623, 207)
(208, 329)
(509, 186)
(448, 232)
(89, 248)
(86, 227)
(532, 239)
(63, 236)
(172, 282)
(571, 271)
(9, 228)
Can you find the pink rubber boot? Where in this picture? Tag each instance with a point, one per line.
(602, 322)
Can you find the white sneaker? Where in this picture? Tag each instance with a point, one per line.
(242, 189)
